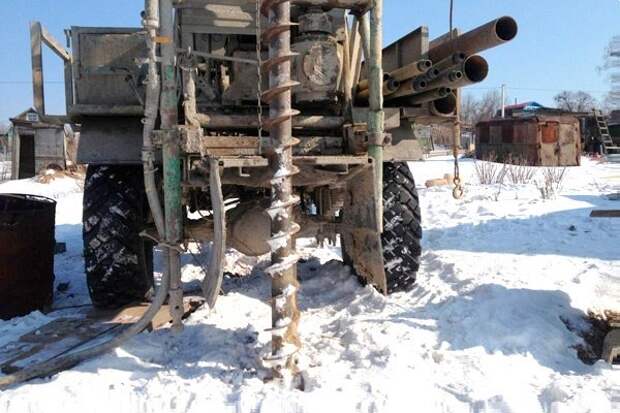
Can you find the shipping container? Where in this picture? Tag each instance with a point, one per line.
(533, 141)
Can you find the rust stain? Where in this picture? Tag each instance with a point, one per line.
(26, 254)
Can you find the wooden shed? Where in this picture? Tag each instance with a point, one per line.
(37, 144)
(536, 140)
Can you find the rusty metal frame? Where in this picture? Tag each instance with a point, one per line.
(38, 37)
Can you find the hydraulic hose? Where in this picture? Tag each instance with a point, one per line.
(151, 108)
(70, 360)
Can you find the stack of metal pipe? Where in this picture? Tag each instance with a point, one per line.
(450, 64)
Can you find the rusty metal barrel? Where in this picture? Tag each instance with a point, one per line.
(26, 254)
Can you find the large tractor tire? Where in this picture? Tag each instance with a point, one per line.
(119, 263)
(402, 229)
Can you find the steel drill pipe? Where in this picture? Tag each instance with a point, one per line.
(399, 75)
(487, 36)
(433, 73)
(445, 106)
(420, 98)
(363, 84)
(411, 70)
(474, 69)
(448, 78)
(389, 86)
(450, 61)
(410, 87)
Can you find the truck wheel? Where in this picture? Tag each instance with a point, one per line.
(119, 263)
(402, 227)
(402, 230)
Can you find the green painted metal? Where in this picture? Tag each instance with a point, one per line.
(171, 154)
(171, 157)
(172, 188)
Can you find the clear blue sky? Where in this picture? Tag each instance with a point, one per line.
(559, 46)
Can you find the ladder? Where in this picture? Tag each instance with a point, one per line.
(603, 134)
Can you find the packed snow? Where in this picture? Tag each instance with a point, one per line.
(503, 272)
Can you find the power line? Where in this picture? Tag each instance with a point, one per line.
(533, 89)
(555, 90)
(20, 82)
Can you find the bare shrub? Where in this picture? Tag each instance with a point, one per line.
(551, 184)
(490, 172)
(519, 172)
(497, 192)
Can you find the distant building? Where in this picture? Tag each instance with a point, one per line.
(527, 109)
(614, 125)
(4, 146)
(533, 134)
(541, 140)
(520, 108)
(37, 144)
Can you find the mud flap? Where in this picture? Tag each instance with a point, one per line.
(361, 235)
(212, 282)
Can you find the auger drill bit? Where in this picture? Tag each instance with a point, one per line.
(283, 270)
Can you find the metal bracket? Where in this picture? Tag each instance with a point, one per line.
(358, 138)
(379, 139)
(157, 138)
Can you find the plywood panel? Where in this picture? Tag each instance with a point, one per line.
(49, 147)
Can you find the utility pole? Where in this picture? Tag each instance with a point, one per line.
(503, 100)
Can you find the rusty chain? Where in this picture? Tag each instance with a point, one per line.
(458, 191)
(259, 72)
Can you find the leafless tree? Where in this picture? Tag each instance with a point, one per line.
(4, 140)
(578, 101)
(611, 65)
(474, 110)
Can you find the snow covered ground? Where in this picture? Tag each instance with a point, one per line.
(483, 331)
